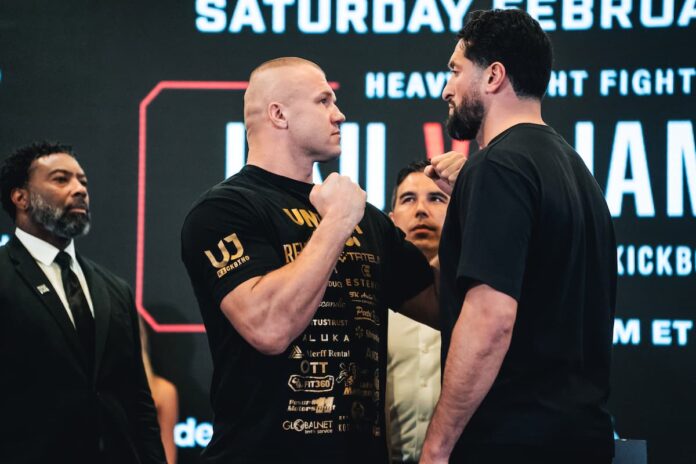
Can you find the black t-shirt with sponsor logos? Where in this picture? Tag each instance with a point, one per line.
(527, 218)
(322, 399)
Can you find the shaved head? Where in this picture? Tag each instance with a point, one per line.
(274, 81)
(283, 62)
(291, 117)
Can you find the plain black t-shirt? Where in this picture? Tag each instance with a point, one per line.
(322, 399)
(527, 218)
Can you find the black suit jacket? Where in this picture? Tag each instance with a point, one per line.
(51, 409)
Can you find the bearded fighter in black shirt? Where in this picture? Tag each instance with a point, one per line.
(293, 282)
(528, 268)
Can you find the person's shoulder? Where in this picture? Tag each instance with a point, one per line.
(523, 140)
(231, 194)
(516, 149)
(113, 281)
(4, 255)
(506, 148)
(501, 161)
(104, 272)
(7, 273)
(240, 183)
(376, 216)
(486, 160)
(372, 212)
(13, 250)
(236, 187)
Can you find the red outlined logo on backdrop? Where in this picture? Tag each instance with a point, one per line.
(142, 165)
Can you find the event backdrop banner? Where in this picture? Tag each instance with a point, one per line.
(150, 94)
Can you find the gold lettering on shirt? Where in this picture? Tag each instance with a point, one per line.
(325, 337)
(357, 256)
(301, 216)
(226, 257)
(353, 240)
(313, 367)
(365, 314)
(233, 265)
(363, 283)
(295, 216)
(310, 218)
(361, 332)
(292, 250)
(321, 405)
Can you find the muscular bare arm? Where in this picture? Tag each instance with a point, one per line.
(480, 341)
(272, 310)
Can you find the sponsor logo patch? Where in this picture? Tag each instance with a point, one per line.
(309, 427)
(313, 384)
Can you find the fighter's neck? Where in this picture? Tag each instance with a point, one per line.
(500, 118)
(283, 165)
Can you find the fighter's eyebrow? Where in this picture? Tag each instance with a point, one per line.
(60, 171)
(438, 194)
(406, 194)
(67, 172)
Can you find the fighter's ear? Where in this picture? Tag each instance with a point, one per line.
(276, 113)
(20, 198)
(495, 75)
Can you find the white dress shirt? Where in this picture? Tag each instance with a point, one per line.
(44, 253)
(413, 385)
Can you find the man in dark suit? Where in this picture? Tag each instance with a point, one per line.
(72, 388)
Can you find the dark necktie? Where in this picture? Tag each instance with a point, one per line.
(82, 316)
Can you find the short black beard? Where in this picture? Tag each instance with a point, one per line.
(465, 120)
(60, 222)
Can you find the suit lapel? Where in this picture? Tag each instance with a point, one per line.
(41, 287)
(102, 309)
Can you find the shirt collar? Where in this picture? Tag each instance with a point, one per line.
(41, 250)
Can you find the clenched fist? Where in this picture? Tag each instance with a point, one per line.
(445, 168)
(339, 199)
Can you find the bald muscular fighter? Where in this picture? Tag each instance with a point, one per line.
(293, 282)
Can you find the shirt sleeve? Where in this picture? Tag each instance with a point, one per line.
(407, 271)
(496, 216)
(224, 243)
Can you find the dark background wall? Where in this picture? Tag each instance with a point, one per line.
(81, 71)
